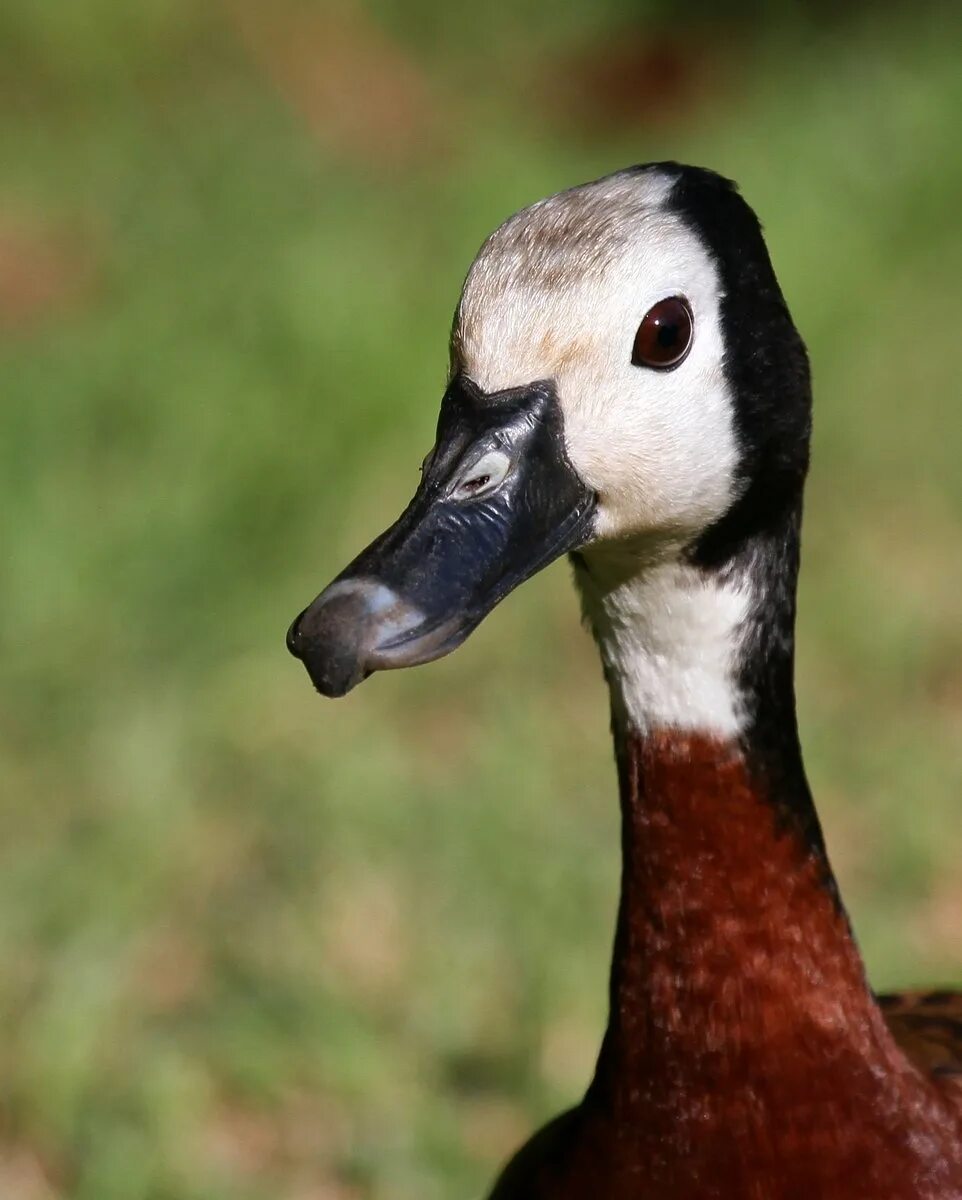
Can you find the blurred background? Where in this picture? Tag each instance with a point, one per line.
(258, 946)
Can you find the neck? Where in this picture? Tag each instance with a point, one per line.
(702, 642)
(735, 979)
(729, 943)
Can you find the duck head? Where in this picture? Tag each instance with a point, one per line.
(626, 383)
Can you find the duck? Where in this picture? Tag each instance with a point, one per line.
(627, 387)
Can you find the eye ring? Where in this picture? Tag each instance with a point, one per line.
(664, 337)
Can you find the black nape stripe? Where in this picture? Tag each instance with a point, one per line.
(766, 367)
(766, 363)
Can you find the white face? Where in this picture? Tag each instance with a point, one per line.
(558, 292)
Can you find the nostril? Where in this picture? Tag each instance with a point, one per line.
(293, 635)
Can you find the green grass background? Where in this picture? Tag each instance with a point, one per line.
(257, 945)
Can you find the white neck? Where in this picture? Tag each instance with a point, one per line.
(669, 636)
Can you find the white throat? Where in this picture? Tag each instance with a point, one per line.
(671, 638)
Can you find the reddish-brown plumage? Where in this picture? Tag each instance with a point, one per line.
(746, 1058)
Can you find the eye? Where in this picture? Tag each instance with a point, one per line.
(664, 335)
(483, 476)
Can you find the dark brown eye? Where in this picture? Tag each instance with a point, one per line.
(664, 335)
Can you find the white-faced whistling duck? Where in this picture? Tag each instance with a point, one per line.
(627, 387)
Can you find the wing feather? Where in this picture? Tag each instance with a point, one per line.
(928, 1027)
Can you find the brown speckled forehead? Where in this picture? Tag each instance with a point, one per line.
(554, 247)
